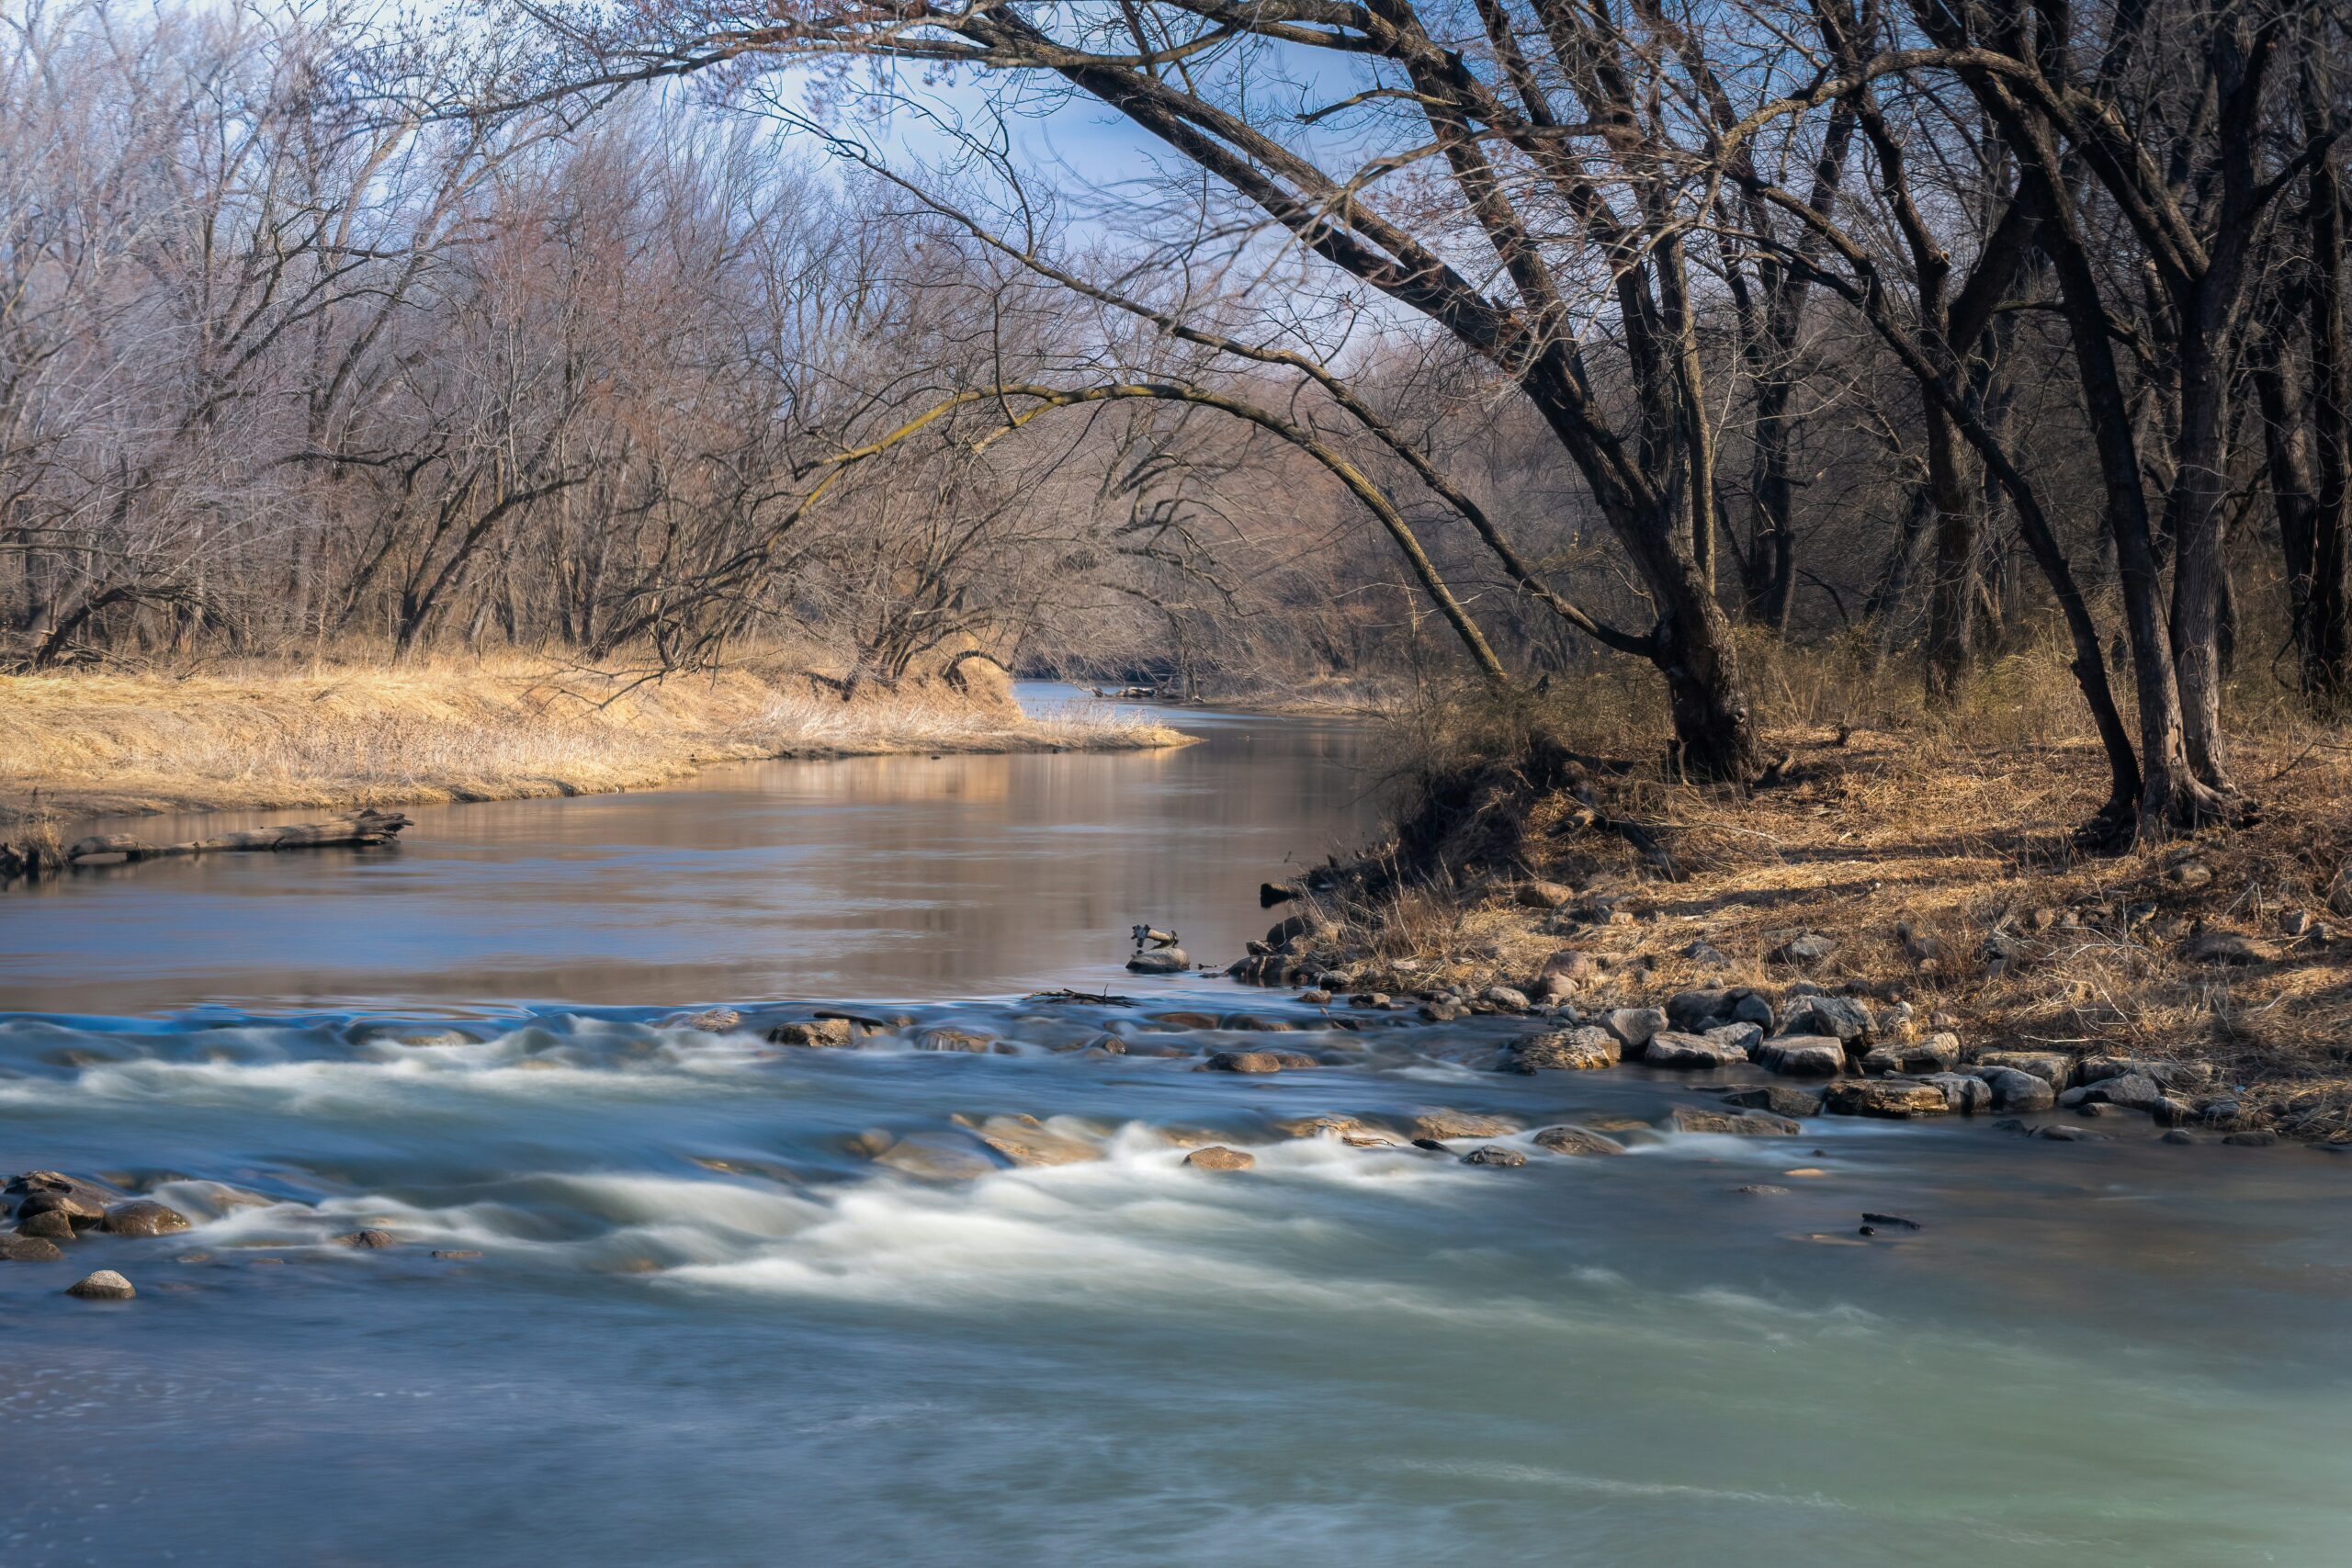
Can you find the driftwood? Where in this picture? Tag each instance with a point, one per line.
(366, 828)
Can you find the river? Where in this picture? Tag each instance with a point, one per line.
(703, 1328)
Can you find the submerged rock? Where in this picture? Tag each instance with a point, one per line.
(106, 1285)
(368, 1240)
(1494, 1153)
(830, 1034)
(937, 1156)
(963, 1040)
(1736, 1123)
(1576, 1140)
(1436, 1125)
(1024, 1140)
(1778, 1099)
(1254, 1061)
(144, 1217)
(1216, 1157)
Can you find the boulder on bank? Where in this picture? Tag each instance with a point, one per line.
(1565, 1050)
(1964, 1093)
(2013, 1090)
(1336, 1124)
(1672, 1049)
(1635, 1027)
(1936, 1053)
(1898, 1098)
(2132, 1092)
(1581, 1142)
(1694, 1011)
(1160, 961)
(1803, 1056)
(1842, 1017)
(2052, 1067)
(1216, 1157)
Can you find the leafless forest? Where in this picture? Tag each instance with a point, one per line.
(1501, 338)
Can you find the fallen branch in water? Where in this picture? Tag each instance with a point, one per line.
(364, 828)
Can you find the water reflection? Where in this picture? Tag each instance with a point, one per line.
(894, 877)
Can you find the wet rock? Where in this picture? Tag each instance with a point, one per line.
(1334, 1125)
(1778, 1099)
(1964, 1094)
(2013, 1090)
(1440, 1126)
(1669, 1049)
(368, 1240)
(1182, 1020)
(1803, 1056)
(963, 1040)
(1024, 1140)
(1936, 1053)
(1506, 998)
(2222, 948)
(1694, 1011)
(1736, 1123)
(1898, 1098)
(710, 1021)
(1540, 895)
(1494, 1153)
(2253, 1138)
(1580, 1141)
(1806, 950)
(1442, 1011)
(458, 1254)
(1160, 961)
(52, 1225)
(1253, 1061)
(1633, 1027)
(19, 1248)
(143, 1217)
(106, 1285)
(430, 1039)
(1216, 1157)
(1843, 1017)
(829, 1033)
(39, 1191)
(1567, 1050)
(2051, 1067)
(937, 1156)
(1255, 1023)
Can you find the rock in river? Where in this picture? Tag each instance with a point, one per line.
(1440, 1124)
(1494, 1153)
(1216, 1157)
(1024, 1140)
(1160, 961)
(1567, 1050)
(106, 1285)
(1739, 1124)
(1579, 1141)
(144, 1217)
(1635, 1027)
(828, 1032)
(1778, 1099)
(51, 1224)
(1254, 1061)
(368, 1240)
(22, 1248)
(1803, 1056)
(1896, 1097)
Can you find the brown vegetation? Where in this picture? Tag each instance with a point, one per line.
(1939, 853)
(382, 733)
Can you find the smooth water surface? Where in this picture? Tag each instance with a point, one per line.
(704, 1328)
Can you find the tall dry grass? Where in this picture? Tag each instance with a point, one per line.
(375, 733)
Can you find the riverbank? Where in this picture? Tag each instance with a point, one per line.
(369, 734)
(1931, 891)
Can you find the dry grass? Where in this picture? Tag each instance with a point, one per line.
(372, 733)
(1959, 829)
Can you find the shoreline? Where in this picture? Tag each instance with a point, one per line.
(93, 747)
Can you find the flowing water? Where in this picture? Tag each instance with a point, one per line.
(704, 1327)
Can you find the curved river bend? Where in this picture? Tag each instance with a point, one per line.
(704, 1327)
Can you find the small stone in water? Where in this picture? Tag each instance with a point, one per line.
(106, 1285)
(1218, 1157)
(368, 1238)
